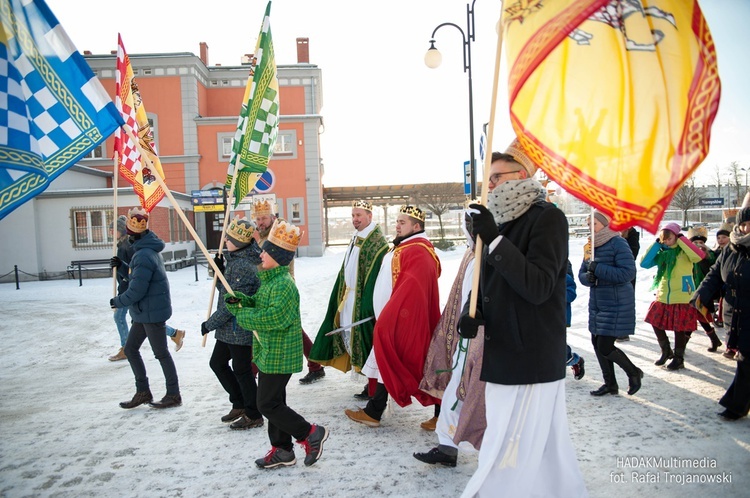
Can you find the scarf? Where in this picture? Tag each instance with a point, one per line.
(603, 236)
(666, 259)
(738, 238)
(509, 200)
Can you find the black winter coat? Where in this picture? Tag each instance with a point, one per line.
(522, 299)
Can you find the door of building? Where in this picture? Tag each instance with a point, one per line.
(214, 224)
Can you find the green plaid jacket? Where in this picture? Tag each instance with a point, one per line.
(273, 314)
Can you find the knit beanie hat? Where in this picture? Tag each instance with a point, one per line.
(240, 232)
(519, 154)
(672, 227)
(282, 242)
(743, 215)
(122, 222)
(603, 218)
(137, 220)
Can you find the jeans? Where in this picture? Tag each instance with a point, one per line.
(158, 341)
(239, 380)
(121, 315)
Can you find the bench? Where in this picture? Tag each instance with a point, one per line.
(89, 265)
(177, 260)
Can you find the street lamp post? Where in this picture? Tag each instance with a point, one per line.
(433, 58)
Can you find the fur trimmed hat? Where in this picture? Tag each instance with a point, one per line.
(516, 151)
(137, 220)
(240, 232)
(697, 233)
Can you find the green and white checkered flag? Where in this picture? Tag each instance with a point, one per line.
(258, 124)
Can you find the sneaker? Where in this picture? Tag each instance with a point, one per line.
(364, 395)
(246, 422)
(138, 399)
(435, 456)
(578, 370)
(178, 338)
(313, 376)
(361, 417)
(313, 445)
(233, 415)
(623, 339)
(276, 457)
(429, 425)
(168, 401)
(120, 355)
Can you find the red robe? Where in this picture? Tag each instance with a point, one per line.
(404, 328)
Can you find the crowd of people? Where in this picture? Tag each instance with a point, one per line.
(491, 363)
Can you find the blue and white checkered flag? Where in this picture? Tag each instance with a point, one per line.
(57, 110)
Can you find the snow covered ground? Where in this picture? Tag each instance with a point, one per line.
(63, 433)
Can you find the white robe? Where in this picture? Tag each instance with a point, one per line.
(526, 449)
(351, 263)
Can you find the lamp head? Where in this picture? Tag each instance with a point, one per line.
(433, 57)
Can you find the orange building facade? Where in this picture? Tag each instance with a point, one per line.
(194, 109)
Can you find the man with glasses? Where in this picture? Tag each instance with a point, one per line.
(526, 449)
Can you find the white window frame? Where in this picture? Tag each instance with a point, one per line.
(286, 145)
(85, 233)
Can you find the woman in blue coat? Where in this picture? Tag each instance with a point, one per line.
(611, 303)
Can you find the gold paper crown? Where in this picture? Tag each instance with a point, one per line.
(285, 235)
(515, 150)
(137, 219)
(412, 211)
(725, 227)
(241, 230)
(263, 208)
(362, 205)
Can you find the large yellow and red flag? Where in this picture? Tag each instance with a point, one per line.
(614, 99)
(132, 167)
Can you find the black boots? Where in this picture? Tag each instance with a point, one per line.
(139, 398)
(634, 373)
(680, 342)
(666, 353)
(608, 372)
(715, 342)
(168, 401)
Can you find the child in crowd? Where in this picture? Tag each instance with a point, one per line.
(698, 236)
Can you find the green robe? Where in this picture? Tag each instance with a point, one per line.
(330, 350)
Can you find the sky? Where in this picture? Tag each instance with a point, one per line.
(64, 435)
(410, 122)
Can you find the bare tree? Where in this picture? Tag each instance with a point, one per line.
(717, 178)
(735, 175)
(438, 198)
(686, 198)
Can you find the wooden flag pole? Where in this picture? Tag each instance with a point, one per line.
(171, 198)
(487, 164)
(115, 233)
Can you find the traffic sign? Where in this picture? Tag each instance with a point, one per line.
(467, 178)
(265, 183)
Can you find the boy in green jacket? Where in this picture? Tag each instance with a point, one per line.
(273, 315)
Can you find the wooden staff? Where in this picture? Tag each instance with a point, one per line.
(115, 233)
(221, 244)
(171, 198)
(487, 164)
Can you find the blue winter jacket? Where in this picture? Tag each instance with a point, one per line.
(611, 297)
(147, 296)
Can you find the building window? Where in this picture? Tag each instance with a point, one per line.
(177, 230)
(95, 153)
(91, 226)
(226, 146)
(295, 210)
(147, 72)
(285, 141)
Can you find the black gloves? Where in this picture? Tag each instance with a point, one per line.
(483, 224)
(468, 326)
(591, 277)
(112, 304)
(592, 266)
(219, 261)
(115, 262)
(204, 330)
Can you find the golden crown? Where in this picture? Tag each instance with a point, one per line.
(263, 208)
(412, 211)
(362, 205)
(241, 230)
(515, 150)
(137, 219)
(698, 232)
(285, 235)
